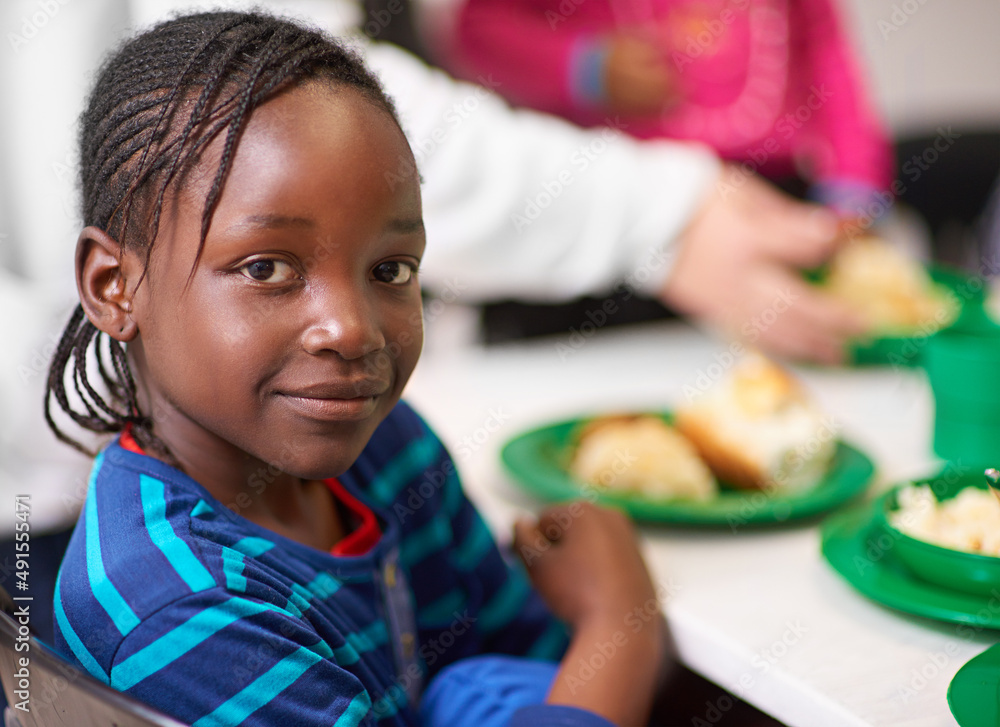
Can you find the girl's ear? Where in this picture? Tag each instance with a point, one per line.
(103, 272)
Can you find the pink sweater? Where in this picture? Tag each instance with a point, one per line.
(771, 82)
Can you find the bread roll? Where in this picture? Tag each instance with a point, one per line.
(891, 291)
(641, 454)
(758, 429)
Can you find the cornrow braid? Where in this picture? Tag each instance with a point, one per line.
(157, 103)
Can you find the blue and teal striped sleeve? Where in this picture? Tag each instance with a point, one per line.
(512, 618)
(228, 659)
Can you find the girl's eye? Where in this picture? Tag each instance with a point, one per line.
(269, 271)
(394, 272)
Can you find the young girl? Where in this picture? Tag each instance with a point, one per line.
(273, 538)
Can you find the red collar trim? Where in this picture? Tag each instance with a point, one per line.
(366, 534)
(127, 441)
(360, 541)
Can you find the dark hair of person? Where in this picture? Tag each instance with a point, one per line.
(157, 102)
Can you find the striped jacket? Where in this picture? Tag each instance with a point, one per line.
(167, 594)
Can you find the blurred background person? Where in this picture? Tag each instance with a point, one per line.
(779, 87)
(772, 84)
(930, 71)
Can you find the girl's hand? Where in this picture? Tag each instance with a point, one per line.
(584, 561)
(637, 78)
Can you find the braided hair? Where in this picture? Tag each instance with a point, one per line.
(158, 101)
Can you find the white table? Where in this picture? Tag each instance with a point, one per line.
(757, 611)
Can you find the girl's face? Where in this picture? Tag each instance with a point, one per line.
(296, 332)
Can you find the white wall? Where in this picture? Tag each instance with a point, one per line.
(931, 61)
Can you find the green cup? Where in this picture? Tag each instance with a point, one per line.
(968, 442)
(963, 368)
(963, 365)
(965, 410)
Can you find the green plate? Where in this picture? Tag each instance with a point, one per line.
(538, 460)
(974, 692)
(908, 350)
(862, 553)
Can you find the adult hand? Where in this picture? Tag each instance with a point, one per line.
(637, 78)
(738, 270)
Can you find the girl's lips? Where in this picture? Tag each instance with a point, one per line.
(338, 389)
(332, 409)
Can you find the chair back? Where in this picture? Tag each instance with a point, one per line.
(45, 690)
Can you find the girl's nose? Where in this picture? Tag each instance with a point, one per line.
(345, 325)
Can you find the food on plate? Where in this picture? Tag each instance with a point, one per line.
(970, 521)
(759, 429)
(891, 291)
(641, 454)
